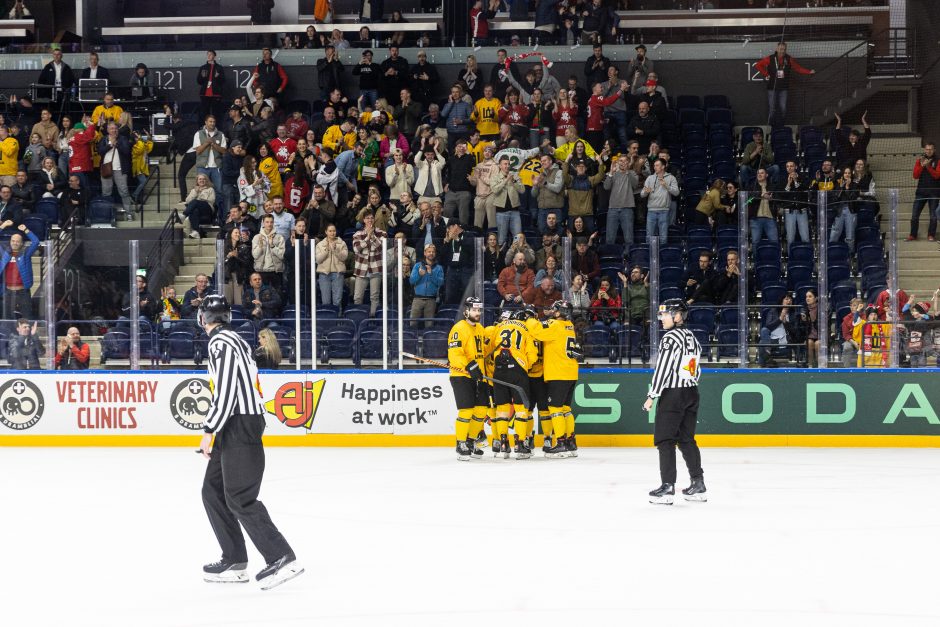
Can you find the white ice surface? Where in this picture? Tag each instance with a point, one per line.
(796, 537)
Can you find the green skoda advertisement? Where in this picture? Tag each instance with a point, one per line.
(783, 402)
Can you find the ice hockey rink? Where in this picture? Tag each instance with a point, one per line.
(410, 536)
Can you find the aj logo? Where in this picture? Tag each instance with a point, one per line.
(295, 403)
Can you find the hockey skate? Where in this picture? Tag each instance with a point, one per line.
(225, 572)
(279, 571)
(497, 448)
(463, 452)
(505, 448)
(481, 441)
(559, 451)
(696, 491)
(663, 495)
(546, 444)
(475, 451)
(522, 450)
(572, 446)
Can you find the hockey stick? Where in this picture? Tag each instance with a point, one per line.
(523, 397)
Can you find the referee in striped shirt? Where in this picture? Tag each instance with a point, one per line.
(675, 384)
(236, 460)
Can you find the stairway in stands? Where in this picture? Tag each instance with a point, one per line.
(892, 162)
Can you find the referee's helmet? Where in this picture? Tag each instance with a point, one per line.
(214, 310)
(673, 306)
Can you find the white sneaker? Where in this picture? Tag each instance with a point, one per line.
(195, 235)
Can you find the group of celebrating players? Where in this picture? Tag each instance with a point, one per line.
(500, 373)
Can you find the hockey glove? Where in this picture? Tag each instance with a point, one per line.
(473, 369)
(575, 351)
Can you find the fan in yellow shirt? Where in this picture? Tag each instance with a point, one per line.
(268, 167)
(485, 113)
(107, 112)
(340, 137)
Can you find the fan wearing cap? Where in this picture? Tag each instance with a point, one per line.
(560, 355)
(465, 354)
(641, 66)
(675, 384)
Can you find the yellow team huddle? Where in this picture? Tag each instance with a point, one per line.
(502, 372)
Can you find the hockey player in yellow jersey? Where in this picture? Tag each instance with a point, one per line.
(538, 395)
(560, 354)
(465, 354)
(514, 352)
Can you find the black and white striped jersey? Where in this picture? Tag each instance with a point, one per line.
(234, 375)
(678, 363)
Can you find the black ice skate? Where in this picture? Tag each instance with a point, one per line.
(696, 491)
(522, 450)
(224, 571)
(505, 448)
(497, 448)
(572, 446)
(481, 441)
(463, 452)
(559, 451)
(663, 495)
(546, 444)
(279, 571)
(475, 451)
(530, 442)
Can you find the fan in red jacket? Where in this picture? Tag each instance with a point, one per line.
(296, 126)
(594, 129)
(296, 193)
(80, 159)
(282, 147)
(607, 305)
(479, 21)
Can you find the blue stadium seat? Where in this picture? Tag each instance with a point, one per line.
(802, 253)
(716, 101)
(340, 344)
(47, 208)
(773, 293)
(702, 316)
(434, 344)
(687, 101)
(596, 342)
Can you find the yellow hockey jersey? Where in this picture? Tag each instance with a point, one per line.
(557, 337)
(537, 369)
(464, 345)
(513, 336)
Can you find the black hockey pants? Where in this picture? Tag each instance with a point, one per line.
(230, 492)
(676, 414)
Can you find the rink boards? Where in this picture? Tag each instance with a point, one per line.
(408, 408)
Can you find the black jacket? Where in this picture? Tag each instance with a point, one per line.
(463, 248)
(123, 149)
(595, 73)
(368, 74)
(458, 169)
(329, 73)
(102, 73)
(47, 77)
(217, 72)
(25, 351)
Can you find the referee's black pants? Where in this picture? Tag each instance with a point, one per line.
(230, 492)
(676, 415)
